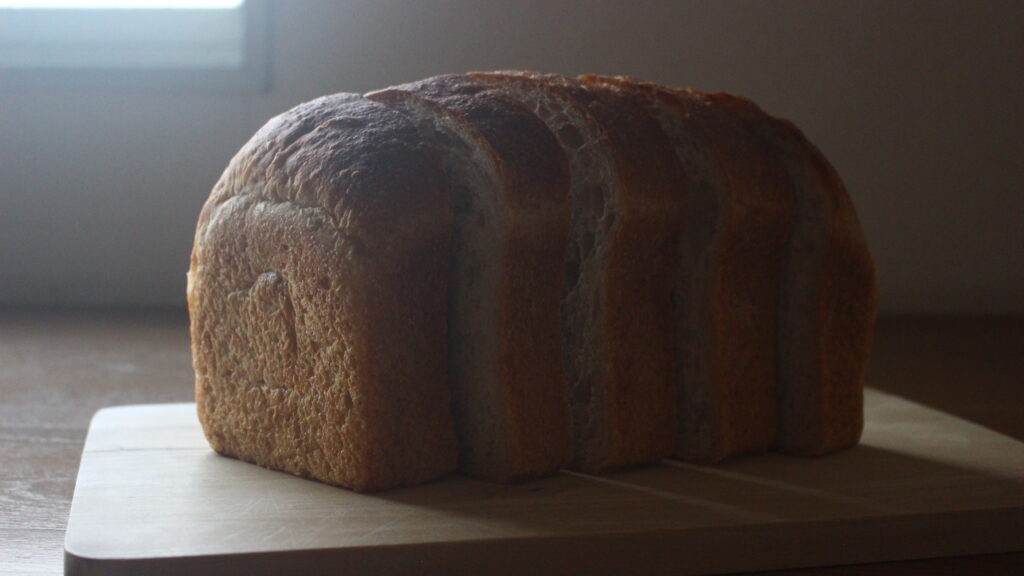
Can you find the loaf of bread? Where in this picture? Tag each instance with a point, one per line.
(507, 273)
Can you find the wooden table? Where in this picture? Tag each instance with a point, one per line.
(58, 368)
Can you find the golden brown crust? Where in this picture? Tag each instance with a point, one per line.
(316, 295)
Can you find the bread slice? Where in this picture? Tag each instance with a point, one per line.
(510, 184)
(829, 298)
(626, 212)
(317, 300)
(727, 278)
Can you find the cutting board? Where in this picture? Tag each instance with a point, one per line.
(152, 497)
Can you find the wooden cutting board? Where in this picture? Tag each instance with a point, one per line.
(152, 497)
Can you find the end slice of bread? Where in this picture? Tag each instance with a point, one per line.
(317, 300)
(825, 344)
(829, 298)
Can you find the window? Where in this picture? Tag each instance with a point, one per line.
(136, 42)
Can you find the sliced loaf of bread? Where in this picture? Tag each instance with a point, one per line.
(512, 272)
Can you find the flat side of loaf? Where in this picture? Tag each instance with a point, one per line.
(617, 348)
(317, 300)
(508, 385)
(726, 287)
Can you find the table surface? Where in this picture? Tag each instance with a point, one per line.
(58, 367)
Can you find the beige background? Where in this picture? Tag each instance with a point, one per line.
(918, 104)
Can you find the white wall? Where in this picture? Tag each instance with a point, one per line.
(920, 105)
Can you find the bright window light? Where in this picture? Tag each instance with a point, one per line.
(122, 4)
(126, 35)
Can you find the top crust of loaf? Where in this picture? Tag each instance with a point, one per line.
(317, 300)
(526, 150)
(359, 162)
